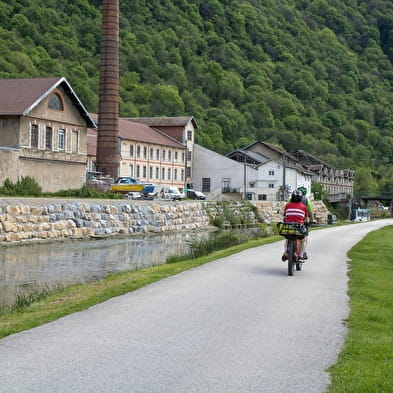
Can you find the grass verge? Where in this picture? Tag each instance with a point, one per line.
(80, 297)
(365, 364)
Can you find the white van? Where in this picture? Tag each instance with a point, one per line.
(171, 193)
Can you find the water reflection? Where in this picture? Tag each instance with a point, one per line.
(25, 267)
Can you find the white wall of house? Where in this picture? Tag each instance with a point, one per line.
(262, 183)
(219, 171)
(269, 179)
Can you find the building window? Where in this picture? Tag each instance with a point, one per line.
(138, 171)
(205, 184)
(262, 197)
(131, 150)
(175, 174)
(158, 155)
(48, 138)
(163, 155)
(271, 185)
(226, 186)
(188, 171)
(189, 135)
(145, 152)
(150, 172)
(144, 171)
(138, 151)
(163, 174)
(169, 174)
(61, 140)
(34, 136)
(75, 141)
(55, 102)
(131, 170)
(271, 173)
(176, 156)
(182, 157)
(182, 175)
(151, 153)
(157, 172)
(169, 156)
(189, 155)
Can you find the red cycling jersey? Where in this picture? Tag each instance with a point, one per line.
(295, 212)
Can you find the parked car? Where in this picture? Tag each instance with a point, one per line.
(134, 195)
(192, 194)
(127, 184)
(150, 191)
(172, 193)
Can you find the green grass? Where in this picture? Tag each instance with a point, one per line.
(365, 364)
(79, 297)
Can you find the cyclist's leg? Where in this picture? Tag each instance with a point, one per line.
(285, 254)
(305, 242)
(302, 244)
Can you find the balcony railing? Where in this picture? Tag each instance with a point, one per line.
(230, 189)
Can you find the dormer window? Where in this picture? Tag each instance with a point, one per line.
(55, 102)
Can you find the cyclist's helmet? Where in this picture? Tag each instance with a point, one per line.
(303, 190)
(296, 196)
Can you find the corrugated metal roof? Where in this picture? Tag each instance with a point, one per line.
(179, 121)
(19, 96)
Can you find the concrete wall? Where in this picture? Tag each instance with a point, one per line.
(40, 219)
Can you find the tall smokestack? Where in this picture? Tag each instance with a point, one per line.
(108, 143)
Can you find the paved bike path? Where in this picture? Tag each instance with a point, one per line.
(236, 325)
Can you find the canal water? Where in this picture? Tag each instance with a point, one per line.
(27, 267)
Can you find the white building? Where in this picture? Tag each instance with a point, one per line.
(260, 171)
(218, 176)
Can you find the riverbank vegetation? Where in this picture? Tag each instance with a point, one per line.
(28, 186)
(365, 364)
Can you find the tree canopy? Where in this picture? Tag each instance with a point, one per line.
(315, 75)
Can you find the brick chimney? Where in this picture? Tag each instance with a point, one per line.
(108, 142)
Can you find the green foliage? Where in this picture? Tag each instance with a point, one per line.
(25, 186)
(221, 241)
(217, 221)
(317, 191)
(314, 75)
(85, 192)
(28, 186)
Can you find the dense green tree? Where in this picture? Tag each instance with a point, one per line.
(316, 75)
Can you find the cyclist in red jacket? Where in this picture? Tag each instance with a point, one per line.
(295, 211)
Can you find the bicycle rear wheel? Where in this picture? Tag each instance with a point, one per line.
(291, 256)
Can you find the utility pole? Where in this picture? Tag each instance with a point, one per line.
(245, 179)
(283, 176)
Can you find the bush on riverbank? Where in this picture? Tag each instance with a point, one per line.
(28, 186)
(25, 186)
(221, 241)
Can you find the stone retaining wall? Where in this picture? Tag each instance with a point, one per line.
(40, 219)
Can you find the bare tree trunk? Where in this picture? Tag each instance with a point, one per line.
(108, 142)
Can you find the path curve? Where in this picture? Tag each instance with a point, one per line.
(236, 325)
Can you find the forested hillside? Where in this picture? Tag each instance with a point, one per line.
(310, 74)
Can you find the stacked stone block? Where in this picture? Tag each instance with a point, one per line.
(87, 219)
(21, 222)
